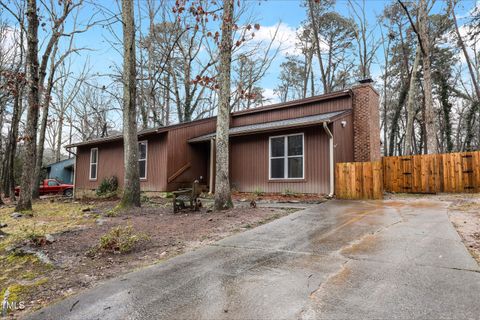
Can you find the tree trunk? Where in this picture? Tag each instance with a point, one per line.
(30, 136)
(461, 43)
(223, 198)
(470, 130)
(60, 133)
(9, 184)
(131, 192)
(430, 131)
(43, 126)
(1, 154)
(326, 86)
(396, 118)
(411, 96)
(447, 110)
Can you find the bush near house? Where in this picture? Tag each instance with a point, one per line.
(108, 186)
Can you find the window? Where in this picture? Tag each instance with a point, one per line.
(93, 163)
(142, 159)
(52, 183)
(286, 157)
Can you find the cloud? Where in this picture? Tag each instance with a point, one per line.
(270, 96)
(284, 38)
(8, 47)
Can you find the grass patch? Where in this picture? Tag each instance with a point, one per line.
(120, 239)
(20, 272)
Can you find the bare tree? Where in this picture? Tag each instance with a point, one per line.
(422, 32)
(367, 43)
(30, 136)
(131, 192)
(223, 198)
(65, 90)
(334, 33)
(410, 101)
(474, 75)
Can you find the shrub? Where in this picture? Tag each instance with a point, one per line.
(291, 193)
(107, 186)
(121, 239)
(258, 192)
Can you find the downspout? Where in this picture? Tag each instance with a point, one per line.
(74, 169)
(332, 169)
(212, 165)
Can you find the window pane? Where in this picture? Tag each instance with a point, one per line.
(278, 147)
(52, 183)
(94, 156)
(295, 145)
(295, 167)
(142, 150)
(277, 168)
(93, 171)
(142, 168)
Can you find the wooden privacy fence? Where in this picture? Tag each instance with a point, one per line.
(359, 180)
(449, 172)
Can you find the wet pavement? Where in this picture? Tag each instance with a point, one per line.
(340, 259)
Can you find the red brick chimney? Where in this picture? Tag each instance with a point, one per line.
(366, 122)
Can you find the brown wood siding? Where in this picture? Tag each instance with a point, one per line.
(343, 138)
(249, 158)
(192, 157)
(110, 163)
(173, 162)
(337, 104)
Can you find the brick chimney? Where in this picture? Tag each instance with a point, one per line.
(366, 122)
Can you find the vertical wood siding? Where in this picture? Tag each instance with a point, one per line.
(249, 157)
(337, 104)
(343, 139)
(181, 153)
(110, 163)
(173, 162)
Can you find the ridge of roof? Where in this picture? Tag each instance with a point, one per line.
(323, 97)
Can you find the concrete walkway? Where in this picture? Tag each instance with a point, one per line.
(341, 259)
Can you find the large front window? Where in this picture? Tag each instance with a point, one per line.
(286, 157)
(142, 159)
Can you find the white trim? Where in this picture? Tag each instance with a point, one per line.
(74, 175)
(146, 159)
(212, 165)
(96, 166)
(286, 157)
(331, 159)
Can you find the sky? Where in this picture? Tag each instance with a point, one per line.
(269, 13)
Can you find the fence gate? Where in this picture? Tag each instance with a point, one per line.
(460, 172)
(411, 174)
(449, 172)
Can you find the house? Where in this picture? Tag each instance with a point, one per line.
(62, 170)
(287, 146)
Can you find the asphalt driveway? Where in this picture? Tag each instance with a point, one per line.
(341, 259)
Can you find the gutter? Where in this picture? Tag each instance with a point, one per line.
(331, 160)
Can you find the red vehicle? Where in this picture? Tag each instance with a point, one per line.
(52, 186)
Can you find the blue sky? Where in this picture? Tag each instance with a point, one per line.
(270, 12)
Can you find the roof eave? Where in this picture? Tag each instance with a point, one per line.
(278, 128)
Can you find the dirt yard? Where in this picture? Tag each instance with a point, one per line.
(58, 250)
(464, 213)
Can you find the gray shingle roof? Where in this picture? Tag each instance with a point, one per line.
(274, 125)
